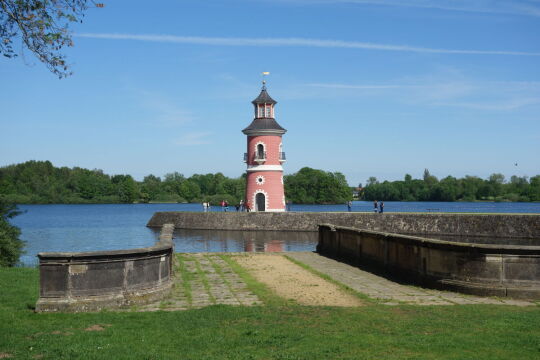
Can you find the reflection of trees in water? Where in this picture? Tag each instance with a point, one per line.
(231, 240)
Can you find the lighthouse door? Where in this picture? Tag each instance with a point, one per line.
(260, 201)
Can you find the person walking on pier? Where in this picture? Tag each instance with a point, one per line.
(375, 206)
(349, 205)
(381, 207)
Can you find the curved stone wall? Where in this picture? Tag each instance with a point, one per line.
(91, 281)
(482, 269)
(480, 225)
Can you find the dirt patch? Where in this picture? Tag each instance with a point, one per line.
(95, 328)
(290, 281)
(5, 355)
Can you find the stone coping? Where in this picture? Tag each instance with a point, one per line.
(443, 224)
(70, 256)
(444, 244)
(164, 243)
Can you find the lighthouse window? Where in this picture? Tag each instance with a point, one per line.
(268, 111)
(261, 111)
(260, 151)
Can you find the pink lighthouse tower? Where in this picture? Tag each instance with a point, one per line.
(264, 157)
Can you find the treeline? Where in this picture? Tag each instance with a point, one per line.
(311, 186)
(469, 188)
(39, 182)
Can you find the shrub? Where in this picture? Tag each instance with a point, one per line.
(11, 247)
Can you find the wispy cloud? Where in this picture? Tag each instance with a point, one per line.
(194, 138)
(504, 105)
(446, 89)
(359, 87)
(302, 42)
(516, 7)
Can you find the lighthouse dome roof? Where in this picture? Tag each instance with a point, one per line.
(264, 125)
(264, 98)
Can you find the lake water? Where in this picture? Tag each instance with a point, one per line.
(122, 226)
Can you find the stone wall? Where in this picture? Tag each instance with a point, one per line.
(91, 281)
(498, 270)
(492, 225)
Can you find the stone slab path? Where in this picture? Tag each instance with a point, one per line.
(389, 292)
(205, 279)
(201, 280)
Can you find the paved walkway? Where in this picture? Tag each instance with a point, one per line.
(205, 279)
(389, 292)
(201, 280)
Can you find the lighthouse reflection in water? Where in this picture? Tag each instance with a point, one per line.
(190, 241)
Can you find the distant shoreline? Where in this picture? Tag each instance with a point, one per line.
(309, 204)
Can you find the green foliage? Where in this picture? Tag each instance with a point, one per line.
(311, 186)
(43, 28)
(469, 188)
(11, 247)
(39, 182)
(215, 200)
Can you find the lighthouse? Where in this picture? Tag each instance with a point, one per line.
(264, 157)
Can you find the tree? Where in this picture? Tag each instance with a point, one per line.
(126, 188)
(151, 186)
(190, 191)
(11, 247)
(310, 186)
(534, 189)
(372, 181)
(429, 179)
(42, 26)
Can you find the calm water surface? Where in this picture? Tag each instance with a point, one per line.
(122, 226)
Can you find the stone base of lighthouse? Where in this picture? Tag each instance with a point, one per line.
(264, 191)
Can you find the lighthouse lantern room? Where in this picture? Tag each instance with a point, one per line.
(264, 157)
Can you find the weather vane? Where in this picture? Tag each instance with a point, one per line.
(265, 73)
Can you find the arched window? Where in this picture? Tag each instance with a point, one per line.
(260, 151)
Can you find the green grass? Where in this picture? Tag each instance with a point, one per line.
(276, 331)
(220, 272)
(186, 276)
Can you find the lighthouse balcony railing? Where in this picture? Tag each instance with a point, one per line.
(259, 156)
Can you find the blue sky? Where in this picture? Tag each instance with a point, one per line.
(367, 88)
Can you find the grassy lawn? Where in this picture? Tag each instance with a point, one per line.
(278, 330)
